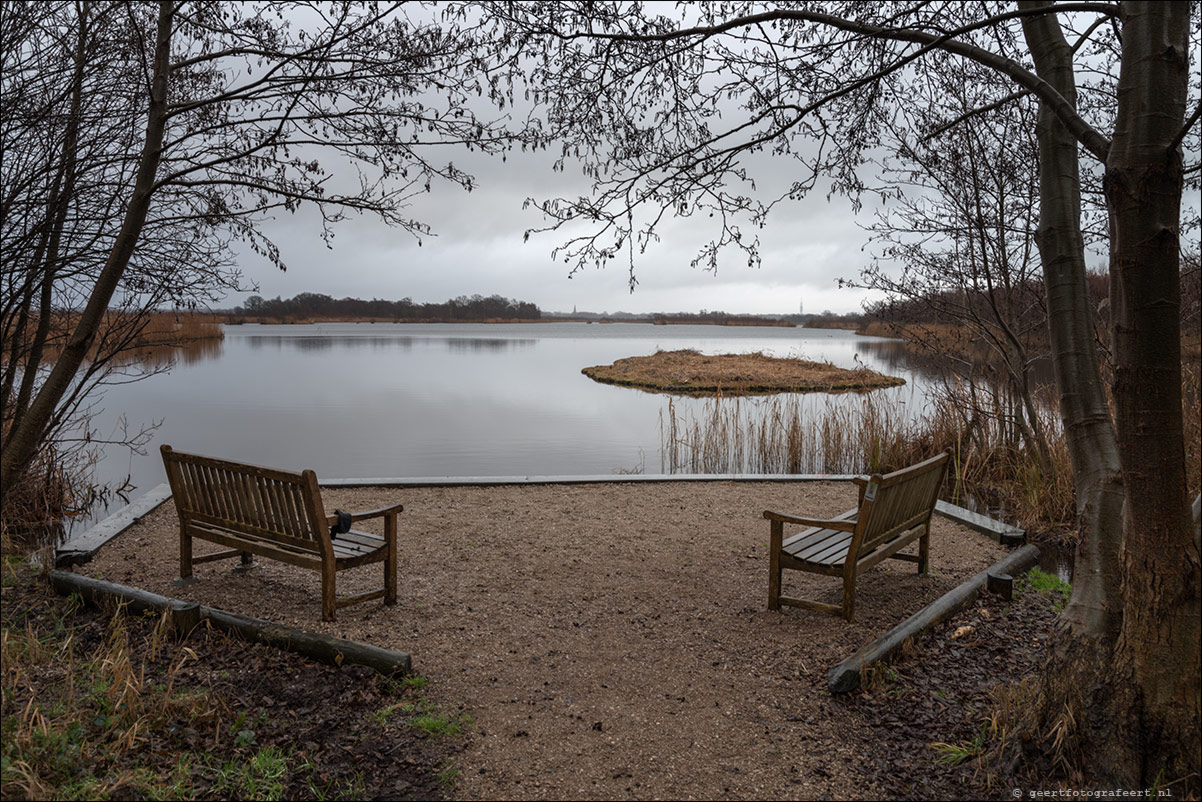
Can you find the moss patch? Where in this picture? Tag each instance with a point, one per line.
(691, 373)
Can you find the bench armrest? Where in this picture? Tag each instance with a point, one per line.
(840, 524)
(363, 516)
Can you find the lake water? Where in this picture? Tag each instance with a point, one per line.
(356, 400)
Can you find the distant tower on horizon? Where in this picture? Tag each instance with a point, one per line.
(801, 307)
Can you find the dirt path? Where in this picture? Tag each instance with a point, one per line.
(610, 641)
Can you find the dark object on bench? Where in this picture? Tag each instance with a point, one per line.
(894, 511)
(274, 514)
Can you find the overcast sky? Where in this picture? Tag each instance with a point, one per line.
(478, 248)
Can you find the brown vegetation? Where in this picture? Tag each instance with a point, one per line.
(109, 705)
(990, 468)
(718, 319)
(55, 487)
(126, 331)
(778, 435)
(689, 372)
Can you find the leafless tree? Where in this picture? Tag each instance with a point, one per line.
(145, 142)
(956, 240)
(669, 112)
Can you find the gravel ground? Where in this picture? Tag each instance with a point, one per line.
(610, 641)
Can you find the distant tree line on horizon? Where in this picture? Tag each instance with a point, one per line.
(308, 305)
(952, 306)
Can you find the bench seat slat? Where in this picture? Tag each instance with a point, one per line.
(806, 536)
(823, 546)
(263, 547)
(345, 548)
(254, 531)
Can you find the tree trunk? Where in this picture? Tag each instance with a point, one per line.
(1121, 690)
(1159, 646)
(1074, 680)
(1094, 609)
(23, 442)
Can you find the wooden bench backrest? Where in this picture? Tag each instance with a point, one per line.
(263, 502)
(903, 500)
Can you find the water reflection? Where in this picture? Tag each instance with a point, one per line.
(902, 356)
(896, 356)
(315, 343)
(486, 344)
(159, 357)
(1057, 559)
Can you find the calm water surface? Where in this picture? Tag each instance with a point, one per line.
(407, 400)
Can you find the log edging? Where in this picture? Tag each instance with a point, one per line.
(845, 676)
(186, 616)
(81, 549)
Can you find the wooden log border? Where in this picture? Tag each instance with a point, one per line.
(845, 676)
(186, 616)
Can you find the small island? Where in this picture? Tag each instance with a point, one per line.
(689, 372)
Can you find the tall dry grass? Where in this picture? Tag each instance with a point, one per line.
(178, 328)
(990, 468)
(77, 719)
(55, 487)
(119, 330)
(780, 435)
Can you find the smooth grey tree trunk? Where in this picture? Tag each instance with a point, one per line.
(1095, 607)
(1159, 645)
(1124, 681)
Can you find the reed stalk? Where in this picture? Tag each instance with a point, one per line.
(783, 435)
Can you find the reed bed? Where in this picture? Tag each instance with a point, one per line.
(783, 435)
(178, 328)
(125, 332)
(991, 471)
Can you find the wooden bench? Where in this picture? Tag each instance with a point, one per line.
(274, 514)
(894, 511)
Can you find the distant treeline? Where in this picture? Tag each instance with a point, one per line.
(718, 319)
(1026, 303)
(312, 306)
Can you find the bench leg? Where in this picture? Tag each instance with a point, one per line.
(390, 560)
(248, 559)
(774, 565)
(185, 555)
(849, 597)
(327, 593)
(924, 549)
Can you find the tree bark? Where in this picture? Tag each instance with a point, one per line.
(1123, 684)
(1095, 607)
(1159, 644)
(22, 443)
